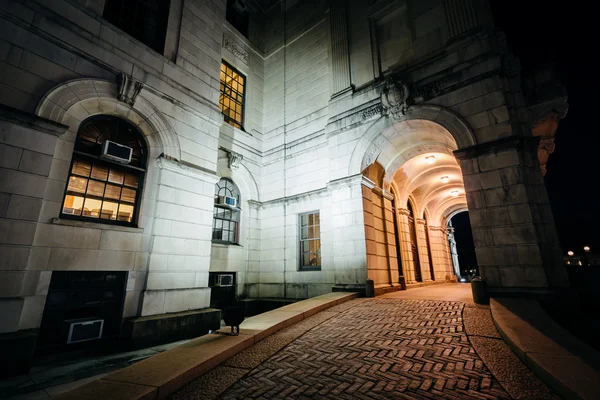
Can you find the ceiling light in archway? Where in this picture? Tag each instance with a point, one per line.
(430, 159)
(445, 179)
(454, 193)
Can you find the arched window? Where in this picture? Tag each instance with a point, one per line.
(101, 187)
(226, 215)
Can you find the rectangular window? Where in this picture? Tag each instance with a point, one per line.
(310, 241)
(100, 191)
(145, 20)
(231, 100)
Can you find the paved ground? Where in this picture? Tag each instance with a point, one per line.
(405, 345)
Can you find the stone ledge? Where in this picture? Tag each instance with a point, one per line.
(161, 375)
(19, 117)
(564, 363)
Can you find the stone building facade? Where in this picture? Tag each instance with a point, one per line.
(348, 133)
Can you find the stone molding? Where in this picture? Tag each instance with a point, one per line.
(235, 49)
(35, 122)
(508, 143)
(403, 211)
(187, 170)
(128, 88)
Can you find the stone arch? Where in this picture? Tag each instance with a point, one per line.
(450, 208)
(74, 101)
(244, 179)
(373, 141)
(453, 211)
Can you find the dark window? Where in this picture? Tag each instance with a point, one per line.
(78, 294)
(231, 100)
(145, 20)
(101, 190)
(310, 241)
(237, 15)
(226, 215)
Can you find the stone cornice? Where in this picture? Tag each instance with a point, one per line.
(19, 117)
(184, 168)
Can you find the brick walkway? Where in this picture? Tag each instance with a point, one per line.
(379, 349)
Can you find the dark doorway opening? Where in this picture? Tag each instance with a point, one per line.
(465, 247)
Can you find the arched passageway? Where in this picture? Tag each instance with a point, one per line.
(414, 185)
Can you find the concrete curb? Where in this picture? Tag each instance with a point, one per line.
(559, 359)
(161, 375)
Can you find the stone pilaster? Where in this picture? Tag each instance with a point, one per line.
(423, 250)
(340, 61)
(408, 261)
(439, 251)
(513, 227)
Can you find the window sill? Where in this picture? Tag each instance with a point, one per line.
(225, 244)
(303, 269)
(94, 225)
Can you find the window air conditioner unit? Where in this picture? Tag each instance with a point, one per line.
(227, 201)
(224, 280)
(116, 152)
(84, 329)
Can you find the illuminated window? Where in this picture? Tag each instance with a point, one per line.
(226, 215)
(99, 189)
(310, 241)
(231, 100)
(145, 20)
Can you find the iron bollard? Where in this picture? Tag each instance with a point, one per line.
(478, 288)
(370, 289)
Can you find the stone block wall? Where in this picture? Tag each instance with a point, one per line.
(26, 147)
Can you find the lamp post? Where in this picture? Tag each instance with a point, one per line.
(589, 254)
(570, 253)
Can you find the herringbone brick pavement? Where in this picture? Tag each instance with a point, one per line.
(379, 349)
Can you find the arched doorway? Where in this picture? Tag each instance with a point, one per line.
(413, 243)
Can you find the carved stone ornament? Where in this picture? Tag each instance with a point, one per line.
(235, 49)
(394, 98)
(129, 89)
(235, 159)
(371, 112)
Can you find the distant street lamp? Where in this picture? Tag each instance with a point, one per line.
(589, 254)
(570, 253)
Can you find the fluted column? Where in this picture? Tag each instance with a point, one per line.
(465, 15)
(340, 60)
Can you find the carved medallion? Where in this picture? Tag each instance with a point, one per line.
(394, 98)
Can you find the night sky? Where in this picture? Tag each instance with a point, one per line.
(539, 32)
